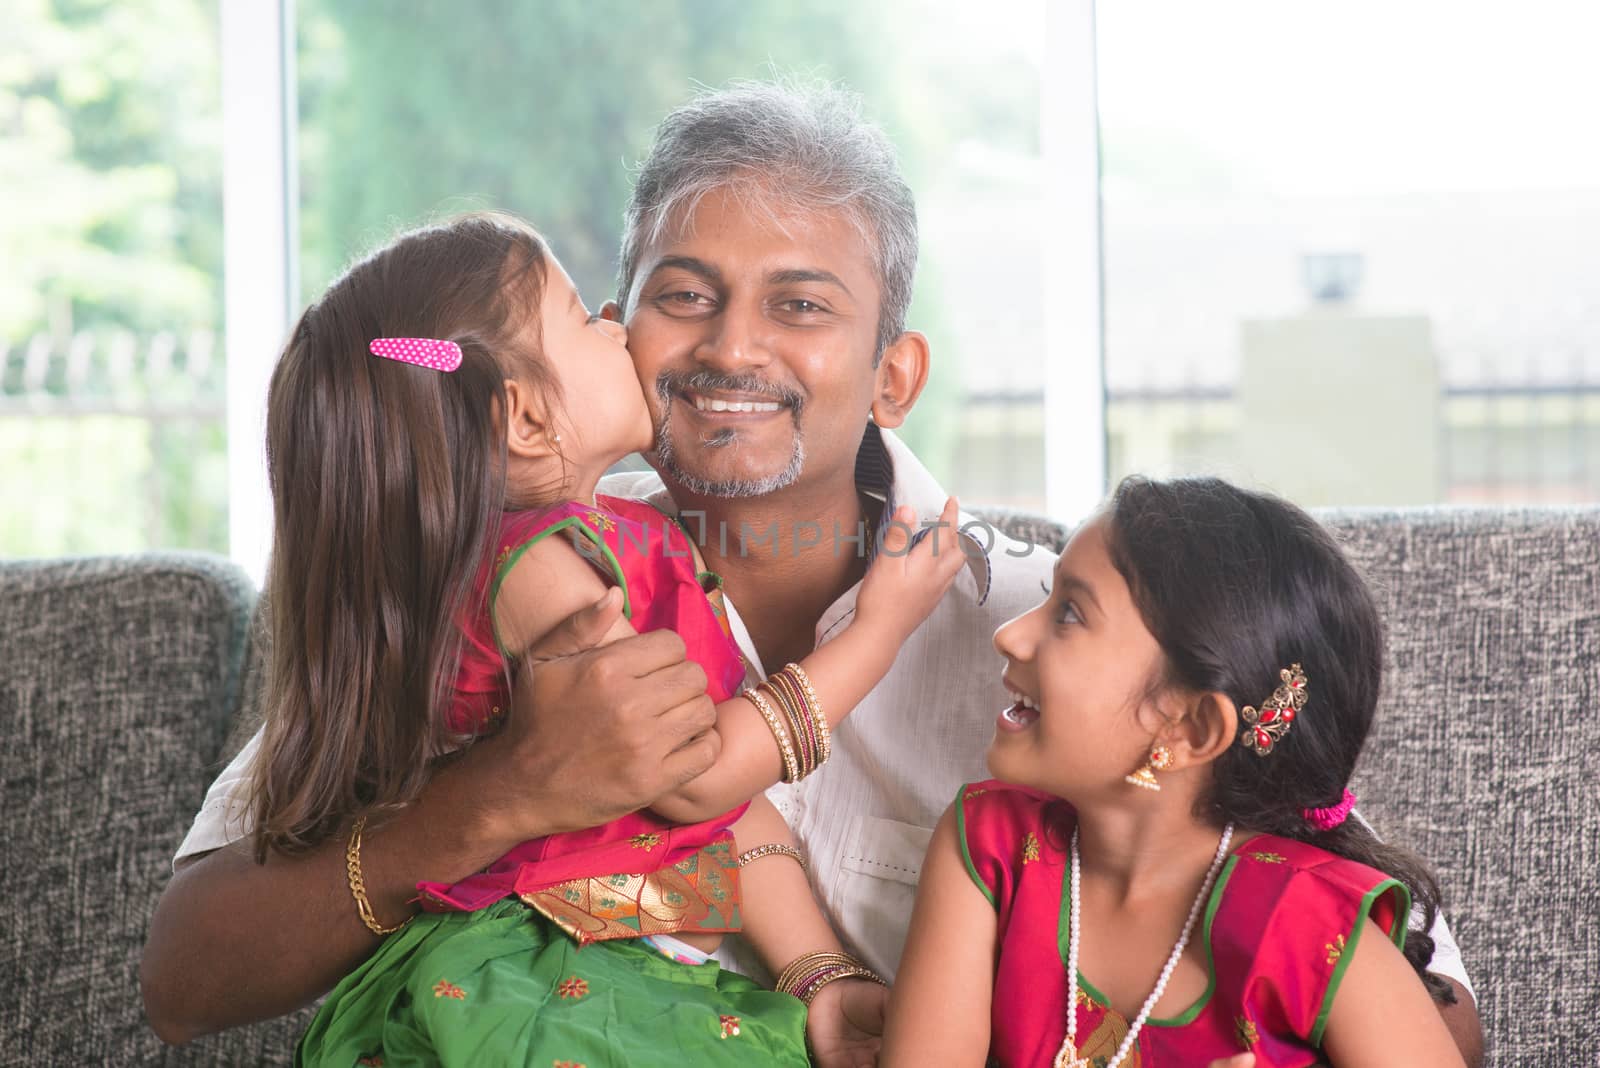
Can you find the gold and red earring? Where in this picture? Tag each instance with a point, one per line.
(1160, 759)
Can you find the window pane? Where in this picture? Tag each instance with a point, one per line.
(1351, 250)
(111, 384)
(407, 111)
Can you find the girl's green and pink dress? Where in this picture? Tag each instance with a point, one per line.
(1278, 931)
(560, 954)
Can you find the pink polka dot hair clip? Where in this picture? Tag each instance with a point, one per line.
(422, 351)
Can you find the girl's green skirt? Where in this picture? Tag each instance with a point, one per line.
(506, 986)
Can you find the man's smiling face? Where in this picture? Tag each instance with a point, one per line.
(754, 333)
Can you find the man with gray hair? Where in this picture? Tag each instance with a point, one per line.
(768, 262)
(766, 271)
(767, 267)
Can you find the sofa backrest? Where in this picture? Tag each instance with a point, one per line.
(119, 678)
(1487, 753)
(1485, 757)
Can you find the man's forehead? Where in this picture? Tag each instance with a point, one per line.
(747, 226)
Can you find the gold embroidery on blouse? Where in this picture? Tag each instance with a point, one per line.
(701, 892)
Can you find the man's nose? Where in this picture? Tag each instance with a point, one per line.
(739, 340)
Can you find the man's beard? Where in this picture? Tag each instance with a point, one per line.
(671, 384)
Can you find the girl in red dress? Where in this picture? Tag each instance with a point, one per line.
(1165, 870)
(437, 427)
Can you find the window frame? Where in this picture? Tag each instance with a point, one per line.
(261, 257)
(260, 209)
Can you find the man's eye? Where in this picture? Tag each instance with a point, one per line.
(1068, 613)
(803, 306)
(683, 302)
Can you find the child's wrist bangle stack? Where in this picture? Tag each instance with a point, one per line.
(808, 975)
(358, 885)
(791, 767)
(807, 741)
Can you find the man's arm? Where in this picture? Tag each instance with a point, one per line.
(1461, 1020)
(233, 942)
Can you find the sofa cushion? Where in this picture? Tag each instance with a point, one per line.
(118, 679)
(1487, 750)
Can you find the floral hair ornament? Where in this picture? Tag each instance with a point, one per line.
(422, 351)
(1263, 729)
(1326, 819)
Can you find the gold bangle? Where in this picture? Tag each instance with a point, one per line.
(782, 691)
(814, 706)
(806, 976)
(799, 966)
(358, 885)
(791, 768)
(807, 961)
(773, 849)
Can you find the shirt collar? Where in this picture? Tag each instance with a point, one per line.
(886, 470)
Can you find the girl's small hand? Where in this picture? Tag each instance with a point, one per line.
(845, 1023)
(916, 565)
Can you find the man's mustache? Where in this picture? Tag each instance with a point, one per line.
(669, 383)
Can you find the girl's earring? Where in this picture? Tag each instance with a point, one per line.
(1160, 760)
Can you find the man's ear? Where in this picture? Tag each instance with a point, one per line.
(899, 378)
(529, 434)
(1208, 726)
(611, 310)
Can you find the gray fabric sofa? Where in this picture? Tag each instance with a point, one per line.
(121, 679)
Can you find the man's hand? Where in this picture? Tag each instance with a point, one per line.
(845, 1023)
(595, 731)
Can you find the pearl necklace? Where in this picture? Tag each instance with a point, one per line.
(1067, 1056)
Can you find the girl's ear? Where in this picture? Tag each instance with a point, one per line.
(529, 435)
(1204, 731)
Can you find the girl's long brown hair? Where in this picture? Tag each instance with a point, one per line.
(386, 482)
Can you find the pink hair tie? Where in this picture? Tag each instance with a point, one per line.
(422, 351)
(1326, 819)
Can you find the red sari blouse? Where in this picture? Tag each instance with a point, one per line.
(1278, 931)
(641, 874)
